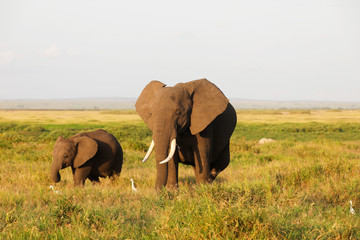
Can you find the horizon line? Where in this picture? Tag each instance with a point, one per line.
(135, 98)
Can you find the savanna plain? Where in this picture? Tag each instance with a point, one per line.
(297, 187)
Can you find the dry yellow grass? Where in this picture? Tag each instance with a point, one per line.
(298, 116)
(67, 117)
(123, 116)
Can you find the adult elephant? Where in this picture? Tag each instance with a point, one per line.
(194, 116)
(89, 154)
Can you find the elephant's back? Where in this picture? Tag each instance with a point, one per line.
(109, 149)
(107, 138)
(103, 136)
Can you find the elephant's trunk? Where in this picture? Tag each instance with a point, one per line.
(55, 175)
(163, 134)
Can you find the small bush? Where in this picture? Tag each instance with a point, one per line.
(5, 144)
(63, 211)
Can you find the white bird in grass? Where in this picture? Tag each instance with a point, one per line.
(352, 211)
(132, 185)
(55, 191)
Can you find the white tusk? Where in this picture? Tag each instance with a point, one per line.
(171, 153)
(151, 148)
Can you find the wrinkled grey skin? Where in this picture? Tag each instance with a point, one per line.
(199, 117)
(89, 154)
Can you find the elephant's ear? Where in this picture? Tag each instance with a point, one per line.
(145, 99)
(208, 103)
(59, 139)
(86, 149)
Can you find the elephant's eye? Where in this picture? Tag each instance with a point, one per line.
(65, 156)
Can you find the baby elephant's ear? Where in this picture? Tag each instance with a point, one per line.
(59, 139)
(86, 149)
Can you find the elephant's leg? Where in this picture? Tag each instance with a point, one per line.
(94, 179)
(172, 180)
(221, 162)
(114, 176)
(203, 144)
(80, 175)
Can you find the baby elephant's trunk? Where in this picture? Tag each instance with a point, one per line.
(55, 175)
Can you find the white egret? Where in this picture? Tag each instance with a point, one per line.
(352, 211)
(55, 191)
(132, 185)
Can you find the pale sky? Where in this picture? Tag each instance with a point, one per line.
(253, 49)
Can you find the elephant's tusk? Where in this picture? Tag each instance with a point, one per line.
(151, 148)
(172, 151)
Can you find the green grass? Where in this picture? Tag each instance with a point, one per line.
(299, 131)
(298, 187)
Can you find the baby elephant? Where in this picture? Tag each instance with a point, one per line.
(90, 154)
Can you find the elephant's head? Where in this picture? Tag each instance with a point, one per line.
(169, 111)
(73, 152)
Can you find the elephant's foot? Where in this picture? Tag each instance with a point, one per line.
(172, 186)
(204, 179)
(213, 174)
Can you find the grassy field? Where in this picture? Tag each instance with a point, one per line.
(298, 187)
